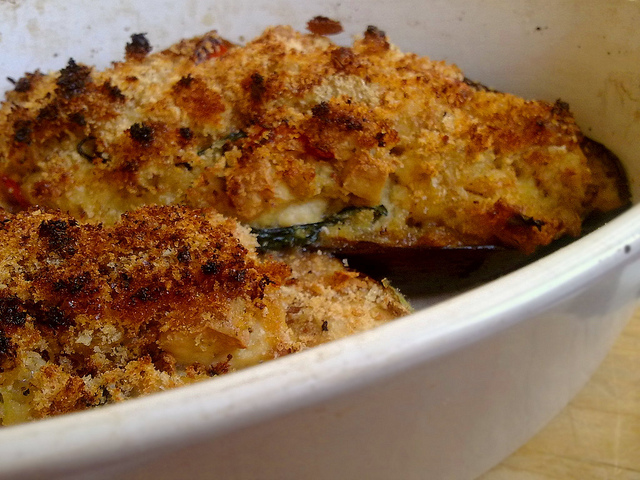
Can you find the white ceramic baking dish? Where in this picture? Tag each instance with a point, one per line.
(444, 393)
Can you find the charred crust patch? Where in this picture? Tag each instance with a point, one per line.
(12, 311)
(78, 118)
(113, 92)
(561, 108)
(73, 80)
(185, 133)
(238, 275)
(52, 317)
(321, 25)
(59, 238)
(22, 130)
(49, 112)
(23, 84)
(142, 133)
(322, 111)
(185, 82)
(373, 32)
(7, 350)
(211, 267)
(73, 285)
(376, 38)
(125, 280)
(184, 255)
(257, 87)
(261, 286)
(144, 294)
(138, 48)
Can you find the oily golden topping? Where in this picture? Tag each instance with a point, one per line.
(167, 296)
(138, 48)
(292, 128)
(153, 258)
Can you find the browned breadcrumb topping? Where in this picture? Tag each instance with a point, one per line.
(167, 296)
(321, 25)
(292, 128)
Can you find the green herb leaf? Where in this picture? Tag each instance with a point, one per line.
(303, 235)
(219, 144)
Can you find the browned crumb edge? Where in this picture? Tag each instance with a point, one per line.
(167, 296)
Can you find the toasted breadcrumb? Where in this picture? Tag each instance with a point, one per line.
(165, 297)
(324, 301)
(292, 128)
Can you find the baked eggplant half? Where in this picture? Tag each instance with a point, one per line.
(307, 142)
(165, 297)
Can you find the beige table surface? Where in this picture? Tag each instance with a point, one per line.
(597, 436)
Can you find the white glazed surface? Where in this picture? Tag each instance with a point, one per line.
(444, 393)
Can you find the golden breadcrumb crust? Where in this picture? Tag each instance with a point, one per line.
(167, 296)
(292, 128)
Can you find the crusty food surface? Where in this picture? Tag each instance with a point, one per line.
(292, 129)
(326, 301)
(167, 296)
